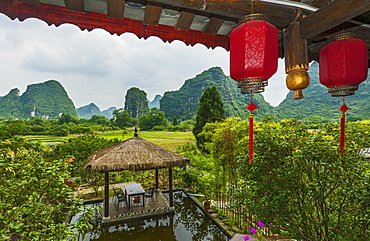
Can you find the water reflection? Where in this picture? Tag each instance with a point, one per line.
(188, 223)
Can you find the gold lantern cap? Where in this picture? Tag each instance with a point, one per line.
(253, 16)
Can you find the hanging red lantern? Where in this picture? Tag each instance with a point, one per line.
(253, 59)
(253, 53)
(343, 66)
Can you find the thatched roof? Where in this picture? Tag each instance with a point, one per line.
(133, 154)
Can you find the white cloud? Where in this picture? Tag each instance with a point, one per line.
(99, 67)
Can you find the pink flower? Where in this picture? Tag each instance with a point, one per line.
(253, 231)
(260, 224)
(246, 237)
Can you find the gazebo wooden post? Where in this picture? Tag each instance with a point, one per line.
(170, 185)
(156, 179)
(106, 194)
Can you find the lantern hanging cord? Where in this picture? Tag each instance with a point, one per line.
(253, 4)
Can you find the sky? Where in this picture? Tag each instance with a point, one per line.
(99, 67)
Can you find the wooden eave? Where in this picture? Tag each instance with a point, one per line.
(207, 22)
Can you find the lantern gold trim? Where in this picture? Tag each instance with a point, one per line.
(253, 16)
(252, 85)
(296, 67)
(342, 35)
(342, 90)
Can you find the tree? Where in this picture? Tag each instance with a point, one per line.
(224, 148)
(300, 183)
(35, 202)
(122, 118)
(210, 110)
(175, 122)
(67, 118)
(154, 117)
(99, 119)
(80, 148)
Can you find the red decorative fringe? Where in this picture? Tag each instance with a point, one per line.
(342, 132)
(250, 138)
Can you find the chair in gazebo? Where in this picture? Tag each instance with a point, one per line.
(121, 197)
(149, 193)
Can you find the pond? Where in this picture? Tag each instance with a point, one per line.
(188, 223)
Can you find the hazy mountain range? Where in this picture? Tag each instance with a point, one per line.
(50, 99)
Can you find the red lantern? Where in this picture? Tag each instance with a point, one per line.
(253, 53)
(253, 59)
(343, 66)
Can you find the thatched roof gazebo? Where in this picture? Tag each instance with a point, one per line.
(135, 154)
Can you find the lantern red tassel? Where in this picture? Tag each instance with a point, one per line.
(342, 132)
(343, 66)
(251, 133)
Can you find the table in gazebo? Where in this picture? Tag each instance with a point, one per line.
(134, 190)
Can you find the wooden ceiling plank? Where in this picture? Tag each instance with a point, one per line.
(37, 2)
(339, 11)
(115, 8)
(75, 5)
(214, 25)
(320, 3)
(152, 14)
(185, 20)
(231, 10)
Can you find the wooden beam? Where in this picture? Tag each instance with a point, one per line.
(170, 186)
(296, 60)
(295, 48)
(156, 179)
(185, 20)
(327, 17)
(106, 194)
(214, 25)
(75, 5)
(152, 14)
(115, 8)
(230, 10)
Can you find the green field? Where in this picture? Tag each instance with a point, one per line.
(165, 139)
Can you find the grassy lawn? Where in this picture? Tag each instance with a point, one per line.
(165, 139)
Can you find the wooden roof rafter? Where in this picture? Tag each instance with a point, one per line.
(207, 22)
(91, 20)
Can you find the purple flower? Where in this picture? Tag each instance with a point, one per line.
(246, 237)
(260, 224)
(253, 231)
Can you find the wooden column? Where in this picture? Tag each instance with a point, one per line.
(296, 60)
(170, 186)
(156, 179)
(106, 194)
